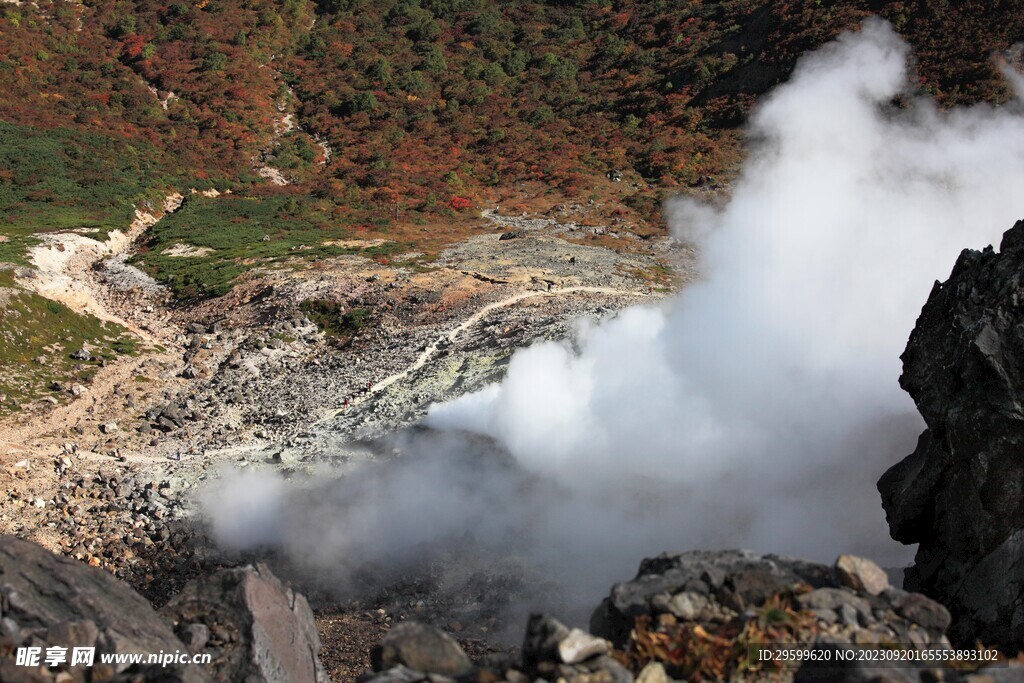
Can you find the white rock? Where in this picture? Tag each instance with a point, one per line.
(580, 646)
(861, 574)
(688, 606)
(654, 672)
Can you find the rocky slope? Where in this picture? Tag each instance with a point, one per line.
(960, 494)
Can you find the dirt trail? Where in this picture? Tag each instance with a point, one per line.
(64, 267)
(64, 273)
(450, 336)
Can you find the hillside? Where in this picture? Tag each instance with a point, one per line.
(424, 103)
(341, 127)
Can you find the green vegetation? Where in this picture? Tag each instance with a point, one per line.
(63, 179)
(232, 234)
(37, 338)
(338, 323)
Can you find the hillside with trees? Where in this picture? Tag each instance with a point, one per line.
(429, 109)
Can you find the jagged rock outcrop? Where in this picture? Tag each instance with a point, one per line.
(960, 494)
(256, 629)
(52, 601)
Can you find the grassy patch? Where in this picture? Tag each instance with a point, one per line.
(60, 179)
(338, 323)
(37, 338)
(241, 233)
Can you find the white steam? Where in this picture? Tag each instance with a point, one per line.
(757, 408)
(768, 391)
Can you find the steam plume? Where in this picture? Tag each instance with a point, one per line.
(755, 409)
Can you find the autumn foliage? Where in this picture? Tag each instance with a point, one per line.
(440, 102)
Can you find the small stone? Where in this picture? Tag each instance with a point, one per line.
(195, 636)
(688, 606)
(848, 616)
(861, 574)
(81, 354)
(832, 599)
(108, 427)
(654, 672)
(580, 646)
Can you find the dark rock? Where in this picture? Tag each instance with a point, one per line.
(421, 648)
(960, 494)
(540, 644)
(924, 612)
(71, 604)
(510, 235)
(265, 631)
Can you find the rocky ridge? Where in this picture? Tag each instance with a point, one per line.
(960, 494)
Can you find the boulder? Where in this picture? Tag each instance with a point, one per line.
(48, 600)
(579, 646)
(861, 574)
(960, 494)
(420, 647)
(257, 629)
